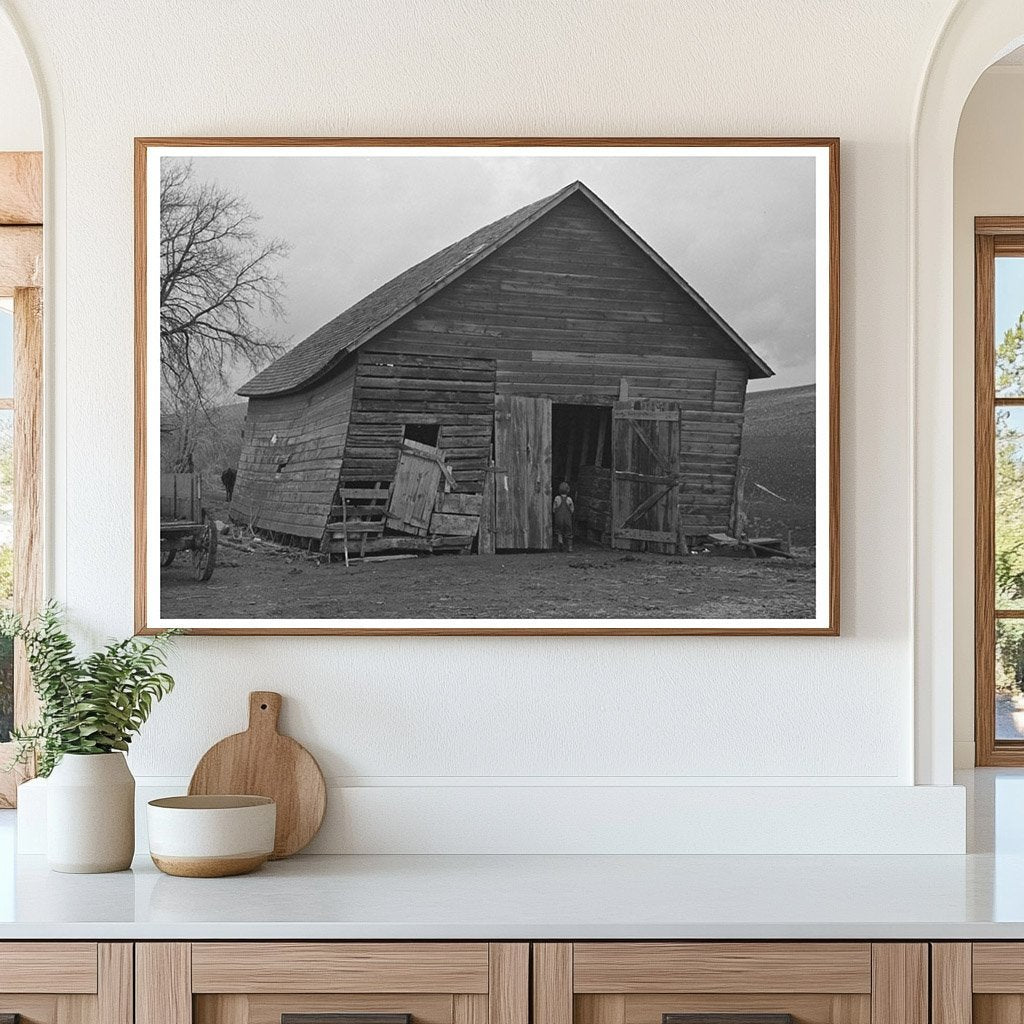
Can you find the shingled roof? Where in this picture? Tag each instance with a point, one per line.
(326, 347)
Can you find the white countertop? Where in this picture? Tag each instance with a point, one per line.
(977, 896)
(496, 897)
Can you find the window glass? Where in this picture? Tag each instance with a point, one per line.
(6, 353)
(1009, 679)
(1009, 510)
(1009, 327)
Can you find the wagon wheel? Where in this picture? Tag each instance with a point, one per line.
(204, 554)
(166, 557)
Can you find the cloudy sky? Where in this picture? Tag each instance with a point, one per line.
(739, 229)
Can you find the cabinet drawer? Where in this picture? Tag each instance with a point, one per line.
(66, 982)
(340, 967)
(730, 983)
(332, 983)
(634, 967)
(66, 967)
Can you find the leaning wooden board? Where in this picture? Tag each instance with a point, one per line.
(262, 762)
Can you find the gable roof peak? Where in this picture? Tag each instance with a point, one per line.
(326, 347)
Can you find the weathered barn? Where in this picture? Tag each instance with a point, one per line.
(444, 408)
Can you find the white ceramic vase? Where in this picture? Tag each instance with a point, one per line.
(90, 814)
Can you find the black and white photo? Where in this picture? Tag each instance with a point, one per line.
(459, 386)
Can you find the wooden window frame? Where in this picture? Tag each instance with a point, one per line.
(21, 272)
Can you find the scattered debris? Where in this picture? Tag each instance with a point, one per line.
(761, 487)
(755, 547)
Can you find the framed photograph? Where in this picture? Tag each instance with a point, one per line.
(498, 386)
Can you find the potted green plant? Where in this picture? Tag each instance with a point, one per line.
(90, 708)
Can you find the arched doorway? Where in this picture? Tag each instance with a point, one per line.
(976, 34)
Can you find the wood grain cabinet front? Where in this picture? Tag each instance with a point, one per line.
(978, 983)
(332, 983)
(66, 982)
(730, 983)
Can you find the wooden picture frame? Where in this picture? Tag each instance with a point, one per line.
(650, 520)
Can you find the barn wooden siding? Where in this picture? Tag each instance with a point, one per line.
(395, 388)
(573, 311)
(292, 457)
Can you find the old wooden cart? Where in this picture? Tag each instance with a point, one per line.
(185, 524)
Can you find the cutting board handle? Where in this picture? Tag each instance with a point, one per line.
(264, 710)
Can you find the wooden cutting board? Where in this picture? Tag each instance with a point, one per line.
(262, 762)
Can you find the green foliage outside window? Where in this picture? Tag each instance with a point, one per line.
(1009, 508)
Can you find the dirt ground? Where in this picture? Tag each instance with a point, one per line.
(591, 582)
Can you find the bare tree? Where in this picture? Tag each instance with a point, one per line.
(217, 276)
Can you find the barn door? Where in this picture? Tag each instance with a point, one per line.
(417, 480)
(645, 477)
(522, 472)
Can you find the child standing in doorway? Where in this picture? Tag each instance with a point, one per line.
(562, 511)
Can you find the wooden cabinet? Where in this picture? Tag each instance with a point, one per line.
(759, 982)
(977, 983)
(494, 983)
(307, 982)
(66, 982)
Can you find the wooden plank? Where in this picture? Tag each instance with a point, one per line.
(453, 525)
(508, 991)
(657, 536)
(552, 983)
(229, 1009)
(999, 226)
(21, 259)
(951, 998)
(522, 447)
(638, 359)
(340, 967)
(163, 983)
(634, 967)
(28, 484)
(468, 1009)
(634, 415)
(66, 967)
(268, 1008)
(72, 1009)
(115, 983)
(21, 188)
(899, 989)
(363, 493)
(815, 1008)
(488, 527)
(998, 967)
(460, 504)
(604, 1009)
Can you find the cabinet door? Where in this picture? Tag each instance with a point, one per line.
(730, 983)
(980, 982)
(66, 982)
(332, 983)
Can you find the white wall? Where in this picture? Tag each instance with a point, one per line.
(987, 181)
(438, 715)
(21, 127)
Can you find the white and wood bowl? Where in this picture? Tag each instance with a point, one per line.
(211, 836)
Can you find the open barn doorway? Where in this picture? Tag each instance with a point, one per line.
(581, 456)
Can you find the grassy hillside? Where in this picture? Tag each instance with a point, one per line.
(778, 451)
